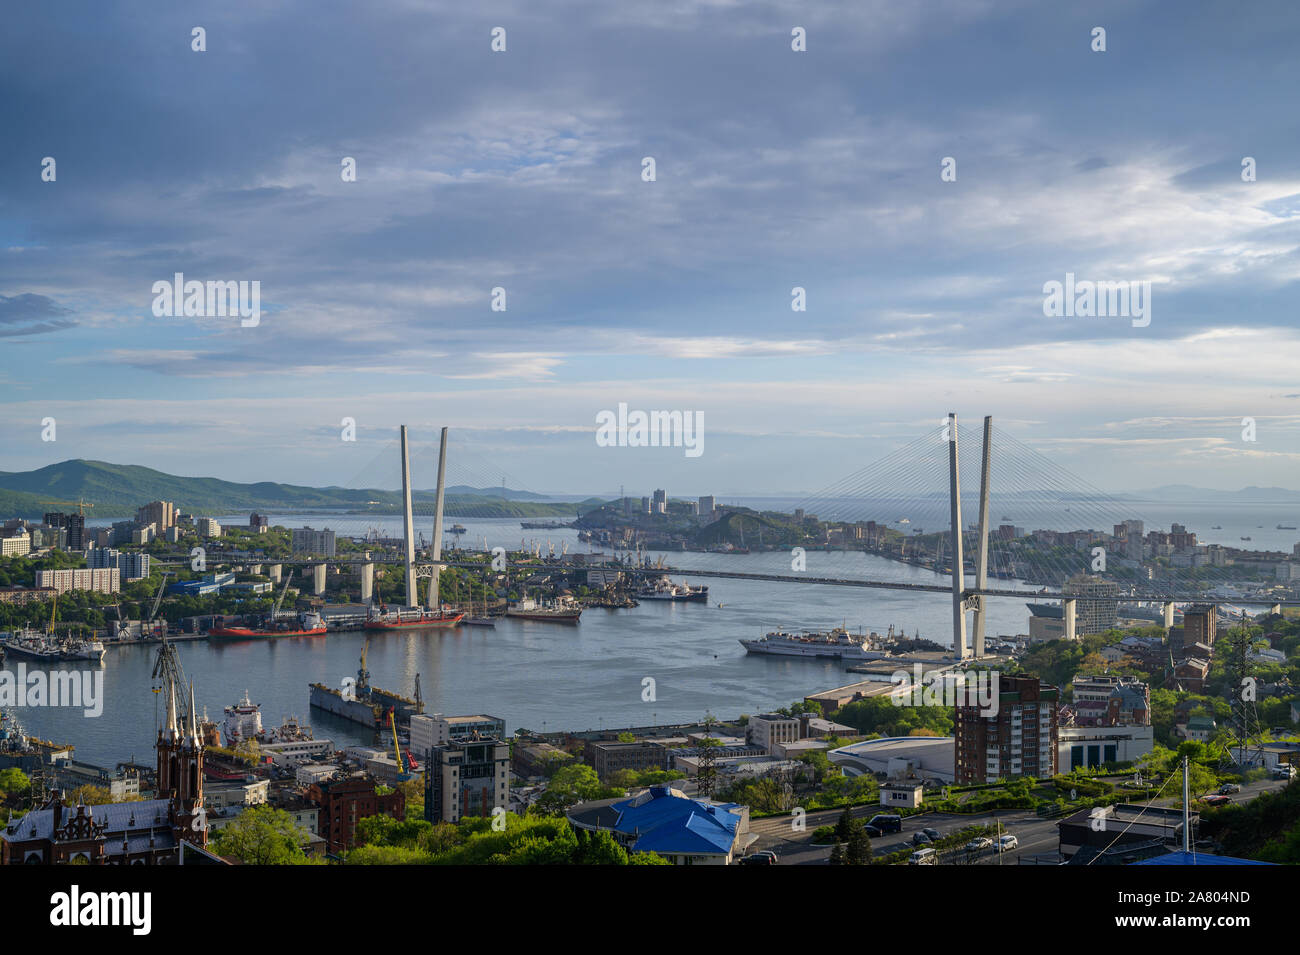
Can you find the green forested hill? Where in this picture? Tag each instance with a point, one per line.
(118, 489)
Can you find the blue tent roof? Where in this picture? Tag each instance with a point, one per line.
(1192, 858)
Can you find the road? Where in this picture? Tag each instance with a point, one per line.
(1037, 836)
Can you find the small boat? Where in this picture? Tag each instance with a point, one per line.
(1286, 527)
(483, 621)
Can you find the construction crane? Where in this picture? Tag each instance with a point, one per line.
(79, 505)
(157, 598)
(275, 611)
(402, 773)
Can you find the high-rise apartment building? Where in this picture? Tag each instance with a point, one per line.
(1020, 739)
(1199, 624)
(1092, 612)
(104, 580)
(74, 524)
(309, 541)
(162, 514)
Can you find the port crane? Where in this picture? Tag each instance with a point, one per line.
(275, 610)
(405, 765)
(157, 598)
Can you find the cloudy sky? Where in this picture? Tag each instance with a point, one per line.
(774, 169)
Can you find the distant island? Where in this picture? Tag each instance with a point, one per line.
(118, 489)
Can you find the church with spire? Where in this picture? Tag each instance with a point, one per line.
(144, 832)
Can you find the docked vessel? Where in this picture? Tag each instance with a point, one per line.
(75, 649)
(665, 589)
(362, 703)
(31, 645)
(301, 625)
(837, 644)
(542, 525)
(560, 610)
(244, 722)
(407, 618)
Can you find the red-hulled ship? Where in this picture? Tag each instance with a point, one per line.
(303, 625)
(412, 618)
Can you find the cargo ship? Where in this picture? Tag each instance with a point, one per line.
(409, 618)
(303, 625)
(837, 644)
(560, 610)
(665, 589)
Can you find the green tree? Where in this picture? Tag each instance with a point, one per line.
(857, 851)
(14, 780)
(262, 835)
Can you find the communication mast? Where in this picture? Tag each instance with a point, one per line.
(1243, 688)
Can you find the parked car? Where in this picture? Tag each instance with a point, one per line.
(923, 857)
(873, 832)
(886, 822)
(979, 843)
(1227, 788)
(934, 834)
(765, 857)
(920, 839)
(1284, 771)
(1007, 843)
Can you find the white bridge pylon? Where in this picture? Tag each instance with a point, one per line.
(416, 572)
(973, 600)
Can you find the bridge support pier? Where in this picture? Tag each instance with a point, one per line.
(1275, 609)
(274, 572)
(1068, 608)
(1169, 614)
(367, 583)
(318, 579)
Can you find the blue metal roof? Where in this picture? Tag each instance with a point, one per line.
(1192, 858)
(665, 822)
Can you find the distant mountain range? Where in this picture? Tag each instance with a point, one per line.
(1185, 492)
(116, 490)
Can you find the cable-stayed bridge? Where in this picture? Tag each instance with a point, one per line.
(1056, 538)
